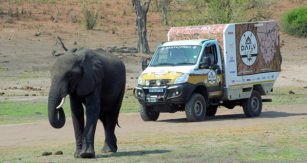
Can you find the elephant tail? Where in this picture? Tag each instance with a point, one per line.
(120, 99)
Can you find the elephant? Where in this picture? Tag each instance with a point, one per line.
(96, 80)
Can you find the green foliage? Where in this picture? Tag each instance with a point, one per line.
(200, 12)
(295, 22)
(90, 17)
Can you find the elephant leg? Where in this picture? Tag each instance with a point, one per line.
(109, 120)
(109, 124)
(77, 114)
(92, 114)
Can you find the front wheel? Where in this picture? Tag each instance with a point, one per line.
(252, 106)
(195, 108)
(148, 113)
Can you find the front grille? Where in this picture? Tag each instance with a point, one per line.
(164, 82)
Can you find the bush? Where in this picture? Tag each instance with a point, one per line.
(90, 17)
(295, 22)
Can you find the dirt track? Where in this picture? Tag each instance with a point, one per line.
(40, 133)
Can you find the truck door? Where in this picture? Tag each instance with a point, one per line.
(213, 79)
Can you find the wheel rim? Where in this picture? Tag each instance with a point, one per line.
(255, 104)
(198, 108)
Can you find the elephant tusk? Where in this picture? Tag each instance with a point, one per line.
(61, 104)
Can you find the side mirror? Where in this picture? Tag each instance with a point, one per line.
(205, 63)
(144, 64)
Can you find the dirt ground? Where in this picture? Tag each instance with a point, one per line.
(25, 61)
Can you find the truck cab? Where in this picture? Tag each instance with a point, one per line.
(178, 71)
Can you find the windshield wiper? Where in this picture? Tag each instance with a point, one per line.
(184, 63)
(164, 64)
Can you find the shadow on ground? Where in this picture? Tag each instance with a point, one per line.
(133, 153)
(265, 114)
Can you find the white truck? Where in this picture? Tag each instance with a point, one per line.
(202, 67)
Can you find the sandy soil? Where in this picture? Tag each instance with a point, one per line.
(130, 123)
(22, 54)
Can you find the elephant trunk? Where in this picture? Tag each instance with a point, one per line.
(56, 113)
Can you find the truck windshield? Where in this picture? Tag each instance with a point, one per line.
(176, 55)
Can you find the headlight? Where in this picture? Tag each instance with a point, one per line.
(140, 82)
(182, 79)
(147, 83)
(158, 82)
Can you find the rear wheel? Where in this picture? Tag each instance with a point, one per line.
(148, 113)
(195, 109)
(211, 110)
(252, 106)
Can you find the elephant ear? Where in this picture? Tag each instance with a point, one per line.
(92, 74)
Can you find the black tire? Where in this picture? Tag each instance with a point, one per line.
(211, 110)
(195, 108)
(148, 113)
(252, 106)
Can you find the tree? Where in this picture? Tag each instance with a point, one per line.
(140, 22)
(232, 11)
(200, 12)
(164, 6)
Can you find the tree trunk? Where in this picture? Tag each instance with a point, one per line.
(164, 5)
(140, 22)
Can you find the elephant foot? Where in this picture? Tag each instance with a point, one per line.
(87, 152)
(107, 149)
(77, 153)
(87, 155)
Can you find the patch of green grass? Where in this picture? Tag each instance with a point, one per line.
(130, 104)
(281, 96)
(25, 111)
(2, 69)
(12, 112)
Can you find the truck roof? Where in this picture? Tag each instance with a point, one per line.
(198, 42)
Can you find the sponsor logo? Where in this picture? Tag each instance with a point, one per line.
(173, 73)
(264, 77)
(243, 80)
(232, 72)
(258, 78)
(230, 33)
(253, 79)
(248, 48)
(268, 77)
(233, 81)
(248, 79)
(211, 77)
(272, 76)
(231, 45)
(161, 73)
(213, 93)
(218, 79)
(231, 59)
